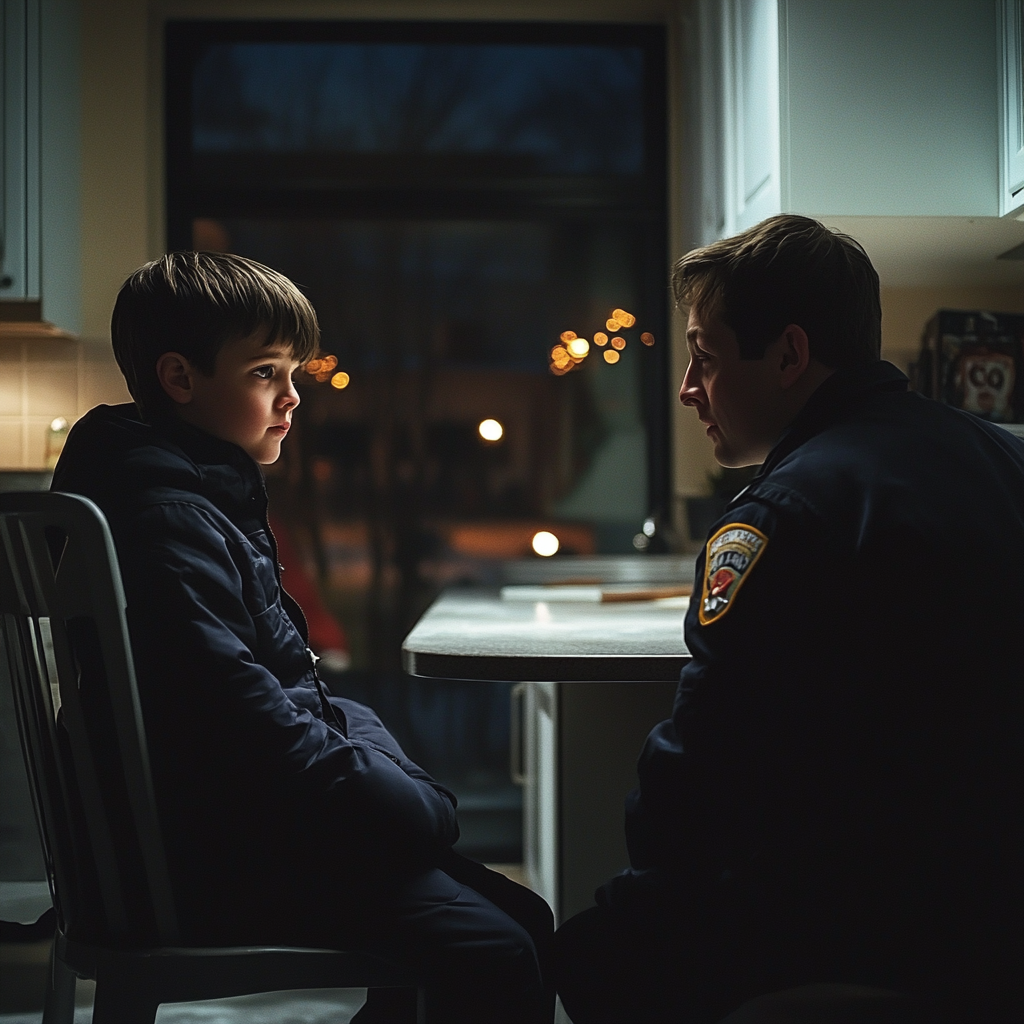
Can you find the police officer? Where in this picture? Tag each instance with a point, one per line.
(837, 796)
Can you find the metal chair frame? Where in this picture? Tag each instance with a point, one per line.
(59, 583)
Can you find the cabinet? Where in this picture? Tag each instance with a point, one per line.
(41, 157)
(852, 107)
(580, 746)
(21, 268)
(1011, 107)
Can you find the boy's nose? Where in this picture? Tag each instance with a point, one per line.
(290, 397)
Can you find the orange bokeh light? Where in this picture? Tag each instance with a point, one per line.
(314, 366)
(612, 324)
(567, 335)
(329, 362)
(647, 338)
(619, 343)
(624, 318)
(610, 355)
(340, 380)
(600, 339)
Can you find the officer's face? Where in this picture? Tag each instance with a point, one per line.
(736, 399)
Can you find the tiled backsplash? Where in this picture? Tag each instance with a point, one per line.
(43, 379)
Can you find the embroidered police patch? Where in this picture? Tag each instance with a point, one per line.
(731, 554)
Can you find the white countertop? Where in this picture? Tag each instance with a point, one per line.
(474, 634)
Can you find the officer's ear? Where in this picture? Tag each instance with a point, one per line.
(175, 374)
(793, 352)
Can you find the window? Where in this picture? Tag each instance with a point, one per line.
(452, 198)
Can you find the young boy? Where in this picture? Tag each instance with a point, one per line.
(290, 815)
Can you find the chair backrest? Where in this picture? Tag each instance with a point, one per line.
(66, 649)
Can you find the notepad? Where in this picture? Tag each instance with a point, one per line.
(593, 594)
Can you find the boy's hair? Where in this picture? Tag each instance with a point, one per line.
(788, 270)
(195, 302)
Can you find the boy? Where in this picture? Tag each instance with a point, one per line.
(290, 815)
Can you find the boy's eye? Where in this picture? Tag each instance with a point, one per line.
(266, 372)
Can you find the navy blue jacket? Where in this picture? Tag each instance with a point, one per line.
(843, 767)
(267, 786)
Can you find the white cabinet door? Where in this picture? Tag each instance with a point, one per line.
(751, 64)
(19, 216)
(1011, 109)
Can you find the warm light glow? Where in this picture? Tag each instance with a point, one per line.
(624, 318)
(567, 335)
(59, 424)
(329, 363)
(559, 371)
(560, 357)
(314, 366)
(612, 324)
(339, 380)
(544, 543)
(600, 339)
(619, 343)
(611, 356)
(491, 430)
(647, 338)
(578, 348)
(323, 375)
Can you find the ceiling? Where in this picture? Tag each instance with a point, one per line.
(925, 252)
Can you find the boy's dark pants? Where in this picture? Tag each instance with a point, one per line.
(480, 942)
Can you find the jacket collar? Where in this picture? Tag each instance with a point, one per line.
(226, 471)
(838, 396)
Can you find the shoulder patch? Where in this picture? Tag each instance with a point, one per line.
(731, 553)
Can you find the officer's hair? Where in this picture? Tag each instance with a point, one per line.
(788, 270)
(195, 302)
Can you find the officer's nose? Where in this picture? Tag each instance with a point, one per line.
(689, 392)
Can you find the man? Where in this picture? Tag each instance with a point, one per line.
(837, 795)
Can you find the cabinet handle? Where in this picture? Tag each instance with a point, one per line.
(515, 752)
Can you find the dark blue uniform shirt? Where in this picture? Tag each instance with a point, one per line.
(843, 768)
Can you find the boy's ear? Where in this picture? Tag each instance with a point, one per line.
(175, 374)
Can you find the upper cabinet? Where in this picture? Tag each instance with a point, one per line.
(1011, 107)
(41, 157)
(849, 107)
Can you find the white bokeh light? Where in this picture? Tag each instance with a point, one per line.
(544, 543)
(491, 430)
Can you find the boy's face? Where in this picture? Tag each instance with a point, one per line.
(249, 399)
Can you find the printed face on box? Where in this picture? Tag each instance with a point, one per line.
(988, 380)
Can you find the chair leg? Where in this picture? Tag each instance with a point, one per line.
(124, 999)
(59, 1007)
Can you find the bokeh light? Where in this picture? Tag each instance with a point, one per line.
(578, 348)
(600, 339)
(612, 324)
(624, 318)
(567, 335)
(314, 366)
(560, 357)
(610, 355)
(58, 424)
(544, 543)
(329, 363)
(619, 343)
(647, 338)
(491, 430)
(339, 380)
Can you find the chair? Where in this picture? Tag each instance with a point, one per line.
(65, 647)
